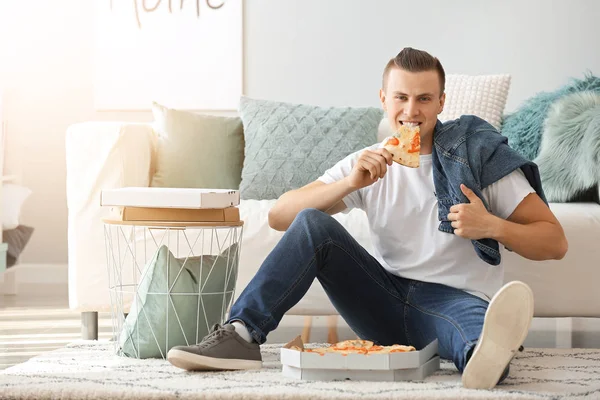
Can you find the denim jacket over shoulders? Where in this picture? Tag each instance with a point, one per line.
(469, 150)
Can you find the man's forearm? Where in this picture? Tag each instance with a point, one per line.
(535, 241)
(322, 197)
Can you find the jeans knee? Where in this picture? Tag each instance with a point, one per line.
(314, 220)
(318, 227)
(311, 216)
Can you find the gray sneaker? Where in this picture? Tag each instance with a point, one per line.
(222, 349)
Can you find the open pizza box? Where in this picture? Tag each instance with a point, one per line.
(406, 366)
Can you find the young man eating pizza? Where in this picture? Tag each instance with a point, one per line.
(438, 231)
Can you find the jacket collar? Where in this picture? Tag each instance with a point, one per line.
(440, 138)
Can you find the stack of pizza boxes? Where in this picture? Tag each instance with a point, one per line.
(144, 204)
(301, 363)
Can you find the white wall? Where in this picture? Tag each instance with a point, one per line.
(333, 51)
(315, 51)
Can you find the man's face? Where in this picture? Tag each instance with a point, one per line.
(413, 97)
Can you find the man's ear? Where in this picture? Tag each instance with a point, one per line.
(382, 98)
(442, 102)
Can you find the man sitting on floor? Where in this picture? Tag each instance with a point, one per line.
(436, 229)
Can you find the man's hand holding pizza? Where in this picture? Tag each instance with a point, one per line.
(471, 220)
(369, 168)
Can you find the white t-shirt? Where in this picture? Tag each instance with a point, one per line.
(403, 217)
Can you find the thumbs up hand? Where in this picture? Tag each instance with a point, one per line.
(471, 220)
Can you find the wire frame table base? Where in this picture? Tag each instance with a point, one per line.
(168, 284)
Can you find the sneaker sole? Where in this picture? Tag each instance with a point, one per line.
(196, 362)
(505, 328)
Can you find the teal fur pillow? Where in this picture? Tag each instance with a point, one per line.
(524, 127)
(290, 145)
(146, 332)
(569, 159)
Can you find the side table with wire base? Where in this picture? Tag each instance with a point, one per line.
(169, 282)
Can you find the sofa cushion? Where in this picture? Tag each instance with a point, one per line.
(557, 285)
(481, 95)
(290, 145)
(197, 151)
(524, 127)
(568, 159)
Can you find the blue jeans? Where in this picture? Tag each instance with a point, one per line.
(377, 305)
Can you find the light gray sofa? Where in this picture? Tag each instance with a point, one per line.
(102, 155)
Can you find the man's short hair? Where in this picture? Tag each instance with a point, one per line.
(413, 60)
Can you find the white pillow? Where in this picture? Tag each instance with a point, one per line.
(13, 197)
(481, 95)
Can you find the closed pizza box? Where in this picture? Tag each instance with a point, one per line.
(229, 214)
(378, 375)
(413, 360)
(154, 197)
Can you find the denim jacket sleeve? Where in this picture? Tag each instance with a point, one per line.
(471, 151)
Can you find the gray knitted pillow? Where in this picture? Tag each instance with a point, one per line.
(290, 145)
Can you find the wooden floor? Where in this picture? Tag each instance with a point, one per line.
(38, 320)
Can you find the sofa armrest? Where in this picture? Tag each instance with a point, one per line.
(99, 155)
(567, 287)
(103, 155)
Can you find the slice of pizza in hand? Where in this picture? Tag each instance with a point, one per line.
(405, 146)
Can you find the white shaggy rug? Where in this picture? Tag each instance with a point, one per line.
(90, 370)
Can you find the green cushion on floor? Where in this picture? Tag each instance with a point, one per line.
(158, 321)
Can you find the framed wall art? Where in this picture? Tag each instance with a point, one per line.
(186, 54)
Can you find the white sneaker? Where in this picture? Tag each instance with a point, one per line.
(505, 328)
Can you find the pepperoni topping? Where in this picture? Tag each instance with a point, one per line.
(393, 141)
(415, 144)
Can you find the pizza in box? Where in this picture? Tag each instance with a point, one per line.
(357, 346)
